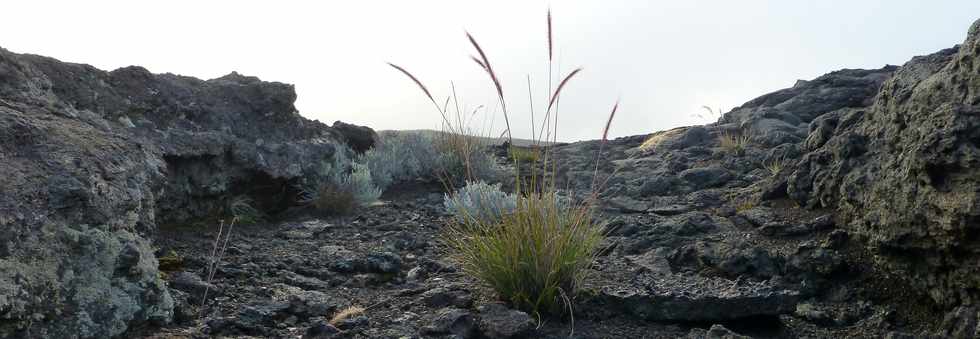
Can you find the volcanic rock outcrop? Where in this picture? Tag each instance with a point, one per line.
(92, 161)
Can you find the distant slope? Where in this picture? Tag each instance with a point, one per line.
(489, 140)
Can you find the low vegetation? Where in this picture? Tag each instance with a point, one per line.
(534, 247)
(346, 313)
(534, 258)
(733, 143)
(523, 155)
(241, 208)
(775, 165)
(480, 203)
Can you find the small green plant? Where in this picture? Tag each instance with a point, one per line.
(481, 201)
(523, 155)
(241, 208)
(534, 258)
(775, 165)
(360, 185)
(733, 143)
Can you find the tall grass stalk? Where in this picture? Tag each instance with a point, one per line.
(214, 260)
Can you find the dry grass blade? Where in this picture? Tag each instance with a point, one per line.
(478, 62)
(605, 135)
(560, 86)
(416, 80)
(424, 89)
(347, 313)
(605, 131)
(493, 77)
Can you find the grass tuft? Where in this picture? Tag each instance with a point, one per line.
(532, 257)
(734, 143)
(775, 165)
(346, 313)
(523, 155)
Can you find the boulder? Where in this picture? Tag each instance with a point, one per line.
(358, 138)
(904, 173)
(499, 322)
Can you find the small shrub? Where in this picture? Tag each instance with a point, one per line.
(360, 185)
(479, 202)
(241, 208)
(534, 258)
(332, 200)
(406, 156)
(523, 155)
(340, 186)
(733, 143)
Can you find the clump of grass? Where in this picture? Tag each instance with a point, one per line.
(346, 313)
(523, 155)
(241, 209)
(775, 165)
(733, 143)
(744, 205)
(657, 138)
(537, 256)
(533, 258)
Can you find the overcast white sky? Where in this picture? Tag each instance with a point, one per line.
(663, 58)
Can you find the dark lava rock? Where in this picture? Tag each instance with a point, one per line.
(383, 262)
(453, 321)
(498, 321)
(961, 323)
(359, 138)
(123, 152)
(191, 283)
(715, 332)
(904, 173)
(312, 303)
(730, 259)
(440, 297)
(706, 177)
(321, 329)
(699, 299)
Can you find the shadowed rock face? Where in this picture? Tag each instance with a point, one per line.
(905, 172)
(92, 161)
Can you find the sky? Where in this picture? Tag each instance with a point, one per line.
(662, 60)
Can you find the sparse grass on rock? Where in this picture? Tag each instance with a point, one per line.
(733, 143)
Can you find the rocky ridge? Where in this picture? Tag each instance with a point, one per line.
(848, 211)
(93, 161)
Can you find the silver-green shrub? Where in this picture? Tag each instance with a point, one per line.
(405, 156)
(480, 202)
(359, 183)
